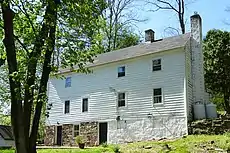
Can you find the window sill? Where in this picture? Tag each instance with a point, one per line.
(122, 107)
(121, 77)
(156, 71)
(158, 104)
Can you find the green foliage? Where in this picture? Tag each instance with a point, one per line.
(5, 120)
(218, 99)
(192, 143)
(104, 145)
(80, 139)
(4, 90)
(216, 47)
(47, 36)
(120, 16)
(127, 38)
(116, 149)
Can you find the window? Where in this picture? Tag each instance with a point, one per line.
(76, 130)
(157, 95)
(121, 99)
(121, 71)
(85, 105)
(157, 65)
(68, 82)
(67, 106)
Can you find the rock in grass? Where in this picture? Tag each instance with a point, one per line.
(148, 147)
(166, 147)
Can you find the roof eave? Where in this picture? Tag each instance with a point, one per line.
(94, 65)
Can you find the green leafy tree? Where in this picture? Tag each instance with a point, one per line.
(119, 15)
(126, 38)
(216, 48)
(4, 119)
(39, 37)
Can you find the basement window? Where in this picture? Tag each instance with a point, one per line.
(157, 95)
(76, 130)
(157, 65)
(121, 71)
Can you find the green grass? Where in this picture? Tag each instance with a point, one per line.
(189, 144)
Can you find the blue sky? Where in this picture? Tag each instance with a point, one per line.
(212, 12)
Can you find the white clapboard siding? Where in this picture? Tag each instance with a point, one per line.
(138, 84)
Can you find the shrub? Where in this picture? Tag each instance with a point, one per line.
(116, 149)
(80, 139)
(104, 145)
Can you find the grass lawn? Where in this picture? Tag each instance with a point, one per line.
(190, 144)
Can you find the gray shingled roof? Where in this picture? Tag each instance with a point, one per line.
(139, 50)
(6, 132)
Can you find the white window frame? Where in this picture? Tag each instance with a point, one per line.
(159, 58)
(85, 97)
(64, 107)
(76, 131)
(121, 72)
(68, 83)
(162, 96)
(118, 99)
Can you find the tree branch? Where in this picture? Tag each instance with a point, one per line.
(167, 7)
(45, 76)
(19, 41)
(15, 86)
(27, 15)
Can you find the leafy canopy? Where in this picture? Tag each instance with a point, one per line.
(216, 47)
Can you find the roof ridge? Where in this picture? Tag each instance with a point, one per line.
(142, 49)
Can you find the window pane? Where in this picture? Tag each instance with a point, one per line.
(67, 106)
(76, 134)
(158, 99)
(84, 104)
(121, 103)
(156, 62)
(157, 65)
(157, 92)
(156, 68)
(68, 82)
(121, 96)
(76, 127)
(121, 71)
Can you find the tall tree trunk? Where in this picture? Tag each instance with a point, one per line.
(16, 100)
(44, 80)
(110, 27)
(227, 103)
(31, 71)
(115, 32)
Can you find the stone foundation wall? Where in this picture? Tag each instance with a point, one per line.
(67, 135)
(208, 126)
(146, 129)
(49, 139)
(90, 131)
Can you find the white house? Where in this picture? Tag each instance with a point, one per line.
(137, 93)
(6, 136)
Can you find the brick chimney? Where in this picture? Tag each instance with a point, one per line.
(149, 35)
(197, 59)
